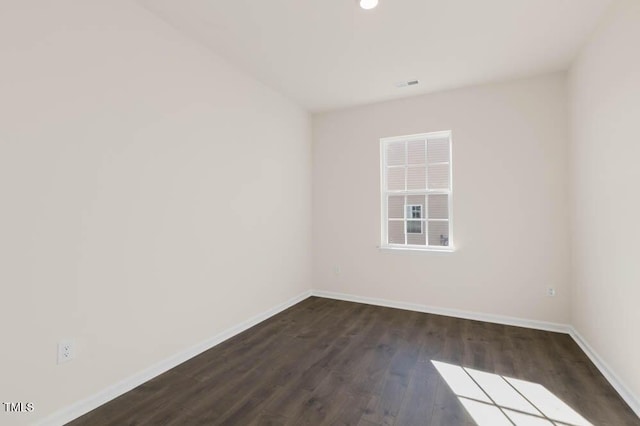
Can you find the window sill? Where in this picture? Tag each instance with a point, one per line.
(417, 249)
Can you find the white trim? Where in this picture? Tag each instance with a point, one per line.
(406, 248)
(450, 206)
(432, 135)
(384, 225)
(92, 402)
(436, 191)
(629, 397)
(477, 316)
(623, 390)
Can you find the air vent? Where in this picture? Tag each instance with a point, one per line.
(408, 83)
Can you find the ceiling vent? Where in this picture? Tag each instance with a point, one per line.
(407, 83)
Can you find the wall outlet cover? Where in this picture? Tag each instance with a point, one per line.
(66, 351)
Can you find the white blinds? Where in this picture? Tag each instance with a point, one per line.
(416, 190)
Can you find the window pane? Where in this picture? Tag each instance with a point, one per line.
(439, 206)
(395, 178)
(418, 238)
(414, 227)
(416, 152)
(413, 200)
(414, 211)
(395, 207)
(438, 233)
(438, 150)
(416, 178)
(439, 176)
(396, 232)
(396, 154)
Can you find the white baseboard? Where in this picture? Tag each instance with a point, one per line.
(615, 381)
(81, 407)
(477, 316)
(629, 397)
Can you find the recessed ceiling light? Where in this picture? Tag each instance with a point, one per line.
(368, 4)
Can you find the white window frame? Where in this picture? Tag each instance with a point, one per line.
(384, 193)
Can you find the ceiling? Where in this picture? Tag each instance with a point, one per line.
(328, 54)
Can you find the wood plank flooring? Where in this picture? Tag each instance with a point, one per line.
(327, 362)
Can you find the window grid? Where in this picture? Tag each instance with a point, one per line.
(441, 238)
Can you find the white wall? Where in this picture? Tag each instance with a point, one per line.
(510, 201)
(605, 153)
(142, 190)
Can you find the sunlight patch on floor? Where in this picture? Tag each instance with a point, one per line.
(494, 400)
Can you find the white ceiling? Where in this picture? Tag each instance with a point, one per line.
(327, 54)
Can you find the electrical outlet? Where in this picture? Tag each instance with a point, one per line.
(66, 351)
(336, 269)
(551, 292)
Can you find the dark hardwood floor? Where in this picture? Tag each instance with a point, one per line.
(340, 363)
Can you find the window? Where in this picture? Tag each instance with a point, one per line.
(414, 212)
(416, 191)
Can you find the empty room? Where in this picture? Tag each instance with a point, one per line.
(320, 212)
